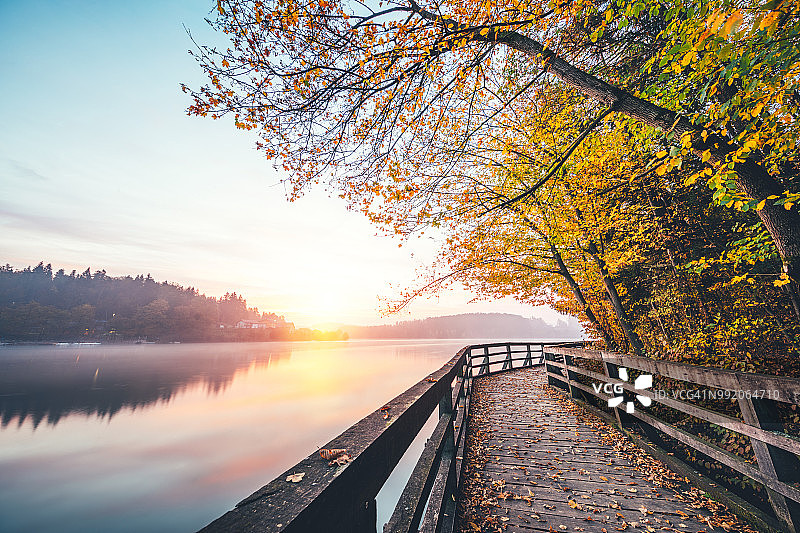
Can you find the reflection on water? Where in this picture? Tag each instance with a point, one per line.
(40, 383)
(164, 438)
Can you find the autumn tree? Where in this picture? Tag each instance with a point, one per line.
(381, 100)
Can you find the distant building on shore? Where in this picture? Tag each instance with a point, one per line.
(264, 324)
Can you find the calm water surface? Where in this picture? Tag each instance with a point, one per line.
(164, 438)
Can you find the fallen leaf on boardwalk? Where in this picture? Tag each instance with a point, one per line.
(604, 478)
(341, 460)
(632, 490)
(332, 453)
(296, 478)
(573, 504)
(528, 498)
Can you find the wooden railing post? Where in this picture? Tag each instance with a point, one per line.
(365, 519)
(446, 404)
(550, 369)
(528, 356)
(612, 371)
(762, 413)
(463, 390)
(468, 372)
(508, 363)
(567, 360)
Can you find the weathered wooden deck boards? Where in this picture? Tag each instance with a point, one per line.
(538, 462)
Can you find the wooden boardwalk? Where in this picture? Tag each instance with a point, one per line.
(538, 462)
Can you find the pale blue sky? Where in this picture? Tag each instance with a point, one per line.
(100, 167)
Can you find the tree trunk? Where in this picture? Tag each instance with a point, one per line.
(616, 301)
(576, 290)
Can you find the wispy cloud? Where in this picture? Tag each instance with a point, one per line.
(15, 169)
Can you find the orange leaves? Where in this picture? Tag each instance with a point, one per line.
(731, 24)
(770, 21)
(331, 453)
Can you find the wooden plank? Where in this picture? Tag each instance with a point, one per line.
(533, 472)
(609, 502)
(559, 512)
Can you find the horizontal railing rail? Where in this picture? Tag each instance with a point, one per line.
(776, 453)
(342, 498)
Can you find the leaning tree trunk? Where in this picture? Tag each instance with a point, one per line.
(616, 301)
(576, 290)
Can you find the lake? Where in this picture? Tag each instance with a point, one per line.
(165, 438)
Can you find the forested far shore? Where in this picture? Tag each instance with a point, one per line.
(471, 326)
(38, 305)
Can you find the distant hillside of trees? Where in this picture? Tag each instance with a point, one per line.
(37, 304)
(471, 325)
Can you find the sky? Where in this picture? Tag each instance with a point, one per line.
(100, 167)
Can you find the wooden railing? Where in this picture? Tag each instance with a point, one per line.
(342, 498)
(777, 465)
